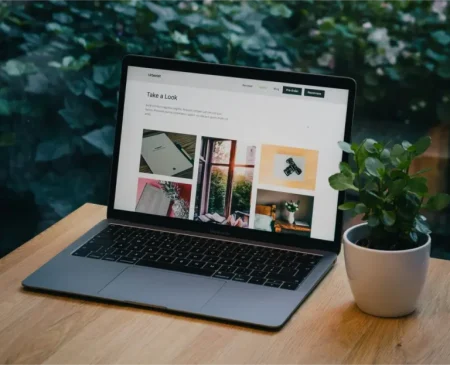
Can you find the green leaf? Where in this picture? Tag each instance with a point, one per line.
(406, 145)
(388, 218)
(344, 146)
(76, 86)
(422, 226)
(18, 68)
(385, 155)
(369, 145)
(345, 168)
(438, 202)
(5, 108)
(396, 187)
(180, 38)
(361, 208)
(397, 150)
(418, 185)
(440, 58)
(102, 139)
(107, 75)
(441, 37)
(37, 84)
(413, 236)
(341, 182)
(422, 145)
(52, 150)
(373, 221)
(374, 167)
(92, 91)
(62, 18)
(347, 206)
(280, 10)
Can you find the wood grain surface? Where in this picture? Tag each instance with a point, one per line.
(186, 141)
(327, 328)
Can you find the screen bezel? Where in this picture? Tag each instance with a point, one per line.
(242, 73)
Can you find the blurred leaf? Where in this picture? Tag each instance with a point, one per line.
(280, 10)
(438, 202)
(52, 150)
(18, 68)
(342, 182)
(388, 218)
(180, 38)
(440, 58)
(209, 57)
(418, 185)
(102, 139)
(4, 107)
(37, 84)
(92, 91)
(441, 37)
(347, 206)
(107, 75)
(374, 167)
(344, 146)
(76, 86)
(422, 145)
(63, 18)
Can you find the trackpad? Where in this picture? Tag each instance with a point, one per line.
(163, 288)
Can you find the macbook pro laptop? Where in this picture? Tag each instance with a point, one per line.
(224, 242)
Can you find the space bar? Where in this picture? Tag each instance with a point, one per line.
(179, 268)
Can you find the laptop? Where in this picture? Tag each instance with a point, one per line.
(221, 242)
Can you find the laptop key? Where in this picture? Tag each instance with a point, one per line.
(258, 274)
(195, 256)
(227, 268)
(290, 286)
(212, 266)
(241, 278)
(241, 263)
(111, 257)
(81, 252)
(166, 259)
(210, 259)
(225, 261)
(243, 271)
(273, 284)
(182, 262)
(223, 275)
(128, 260)
(95, 255)
(258, 281)
(197, 264)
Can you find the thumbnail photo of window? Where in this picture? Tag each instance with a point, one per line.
(283, 212)
(288, 167)
(167, 153)
(224, 185)
(164, 198)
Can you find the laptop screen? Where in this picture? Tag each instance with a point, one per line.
(229, 151)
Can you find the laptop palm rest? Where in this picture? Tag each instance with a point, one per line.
(161, 288)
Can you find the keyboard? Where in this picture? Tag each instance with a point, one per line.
(276, 268)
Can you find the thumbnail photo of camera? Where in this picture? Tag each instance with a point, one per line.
(292, 167)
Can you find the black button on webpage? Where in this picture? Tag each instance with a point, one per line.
(315, 93)
(292, 90)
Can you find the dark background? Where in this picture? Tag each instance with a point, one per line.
(59, 75)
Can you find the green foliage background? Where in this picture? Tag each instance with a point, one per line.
(59, 72)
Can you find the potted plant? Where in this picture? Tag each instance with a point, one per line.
(387, 256)
(291, 207)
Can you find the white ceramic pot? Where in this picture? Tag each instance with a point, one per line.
(384, 283)
(291, 218)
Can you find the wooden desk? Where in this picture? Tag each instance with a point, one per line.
(327, 328)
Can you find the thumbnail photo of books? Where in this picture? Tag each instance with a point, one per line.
(167, 153)
(163, 198)
(224, 183)
(281, 212)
